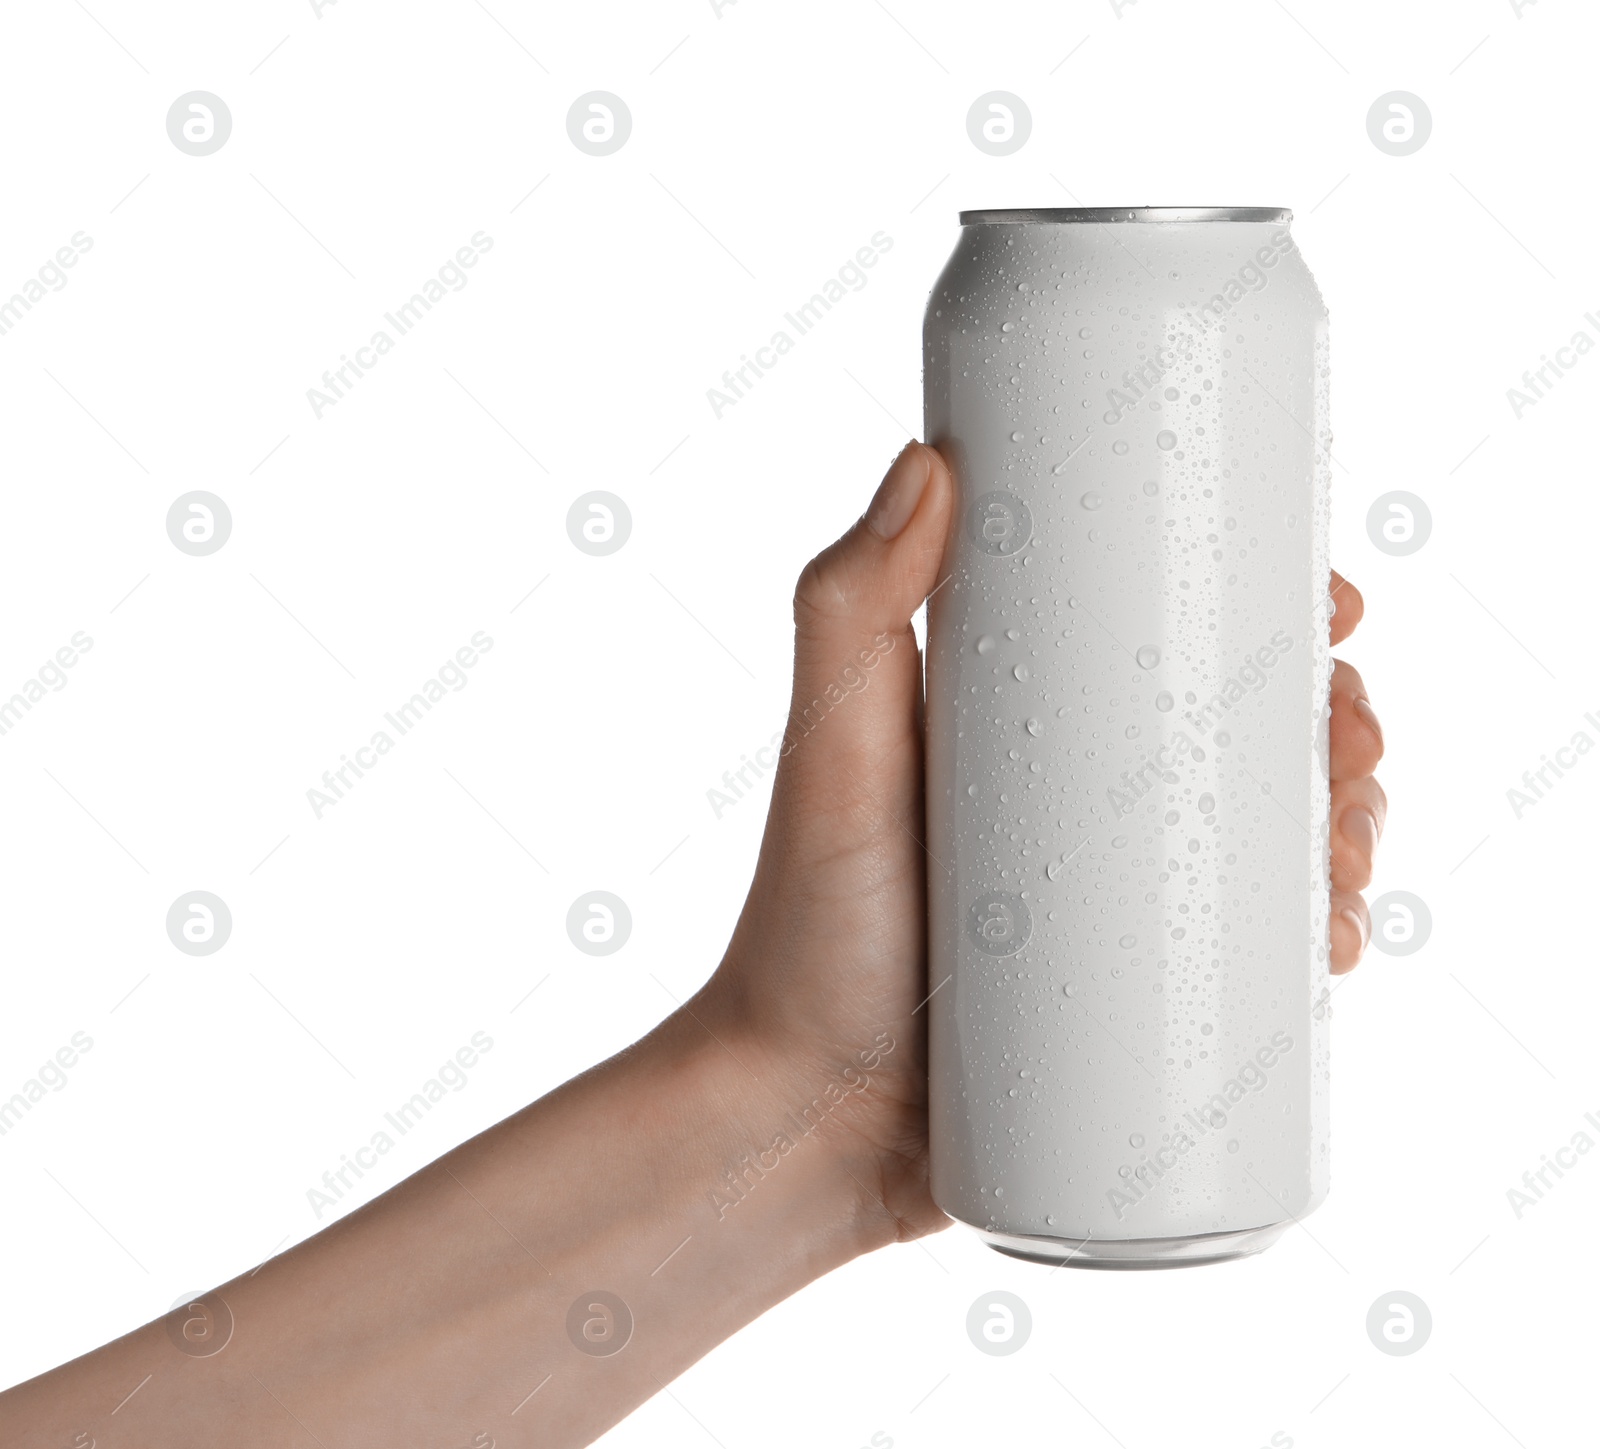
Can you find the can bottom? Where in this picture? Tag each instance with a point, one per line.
(1129, 1253)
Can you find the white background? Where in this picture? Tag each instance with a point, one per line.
(768, 144)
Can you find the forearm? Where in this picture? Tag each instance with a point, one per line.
(440, 1312)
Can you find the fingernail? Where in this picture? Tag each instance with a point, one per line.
(1360, 827)
(1366, 712)
(1354, 918)
(899, 493)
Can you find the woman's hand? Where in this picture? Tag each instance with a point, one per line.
(543, 1279)
(831, 947)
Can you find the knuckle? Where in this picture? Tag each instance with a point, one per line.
(819, 594)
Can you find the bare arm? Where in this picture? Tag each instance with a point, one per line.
(541, 1281)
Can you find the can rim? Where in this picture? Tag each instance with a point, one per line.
(1100, 215)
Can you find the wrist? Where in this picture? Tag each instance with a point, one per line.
(789, 1119)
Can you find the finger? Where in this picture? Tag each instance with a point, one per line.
(1348, 607)
(1356, 825)
(1355, 738)
(857, 671)
(1349, 930)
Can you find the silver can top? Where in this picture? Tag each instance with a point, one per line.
(1099, 215)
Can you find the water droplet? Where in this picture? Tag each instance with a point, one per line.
(1171, 394)
(1150, 490)
(1233, 1144)
(1090, 500)
(1222, 739)
(1208, 803)
(1068, 991)
(1166, 440)
(1171, 817)
(1164, 701)
(1008, 326)
(1021, 673)
(1035, 728)
(1136, 1139)
(1128, 942)
(1016, 437)
(987, 644)
(1132, 732)
(1085, 333)
(1148, 656)
(1119, 447)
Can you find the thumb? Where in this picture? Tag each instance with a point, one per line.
(857, 685)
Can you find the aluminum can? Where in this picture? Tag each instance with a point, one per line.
(1127, 725)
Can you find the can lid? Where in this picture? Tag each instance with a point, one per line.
(1099, 215)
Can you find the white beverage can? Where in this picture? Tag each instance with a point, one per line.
(1127, 735)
